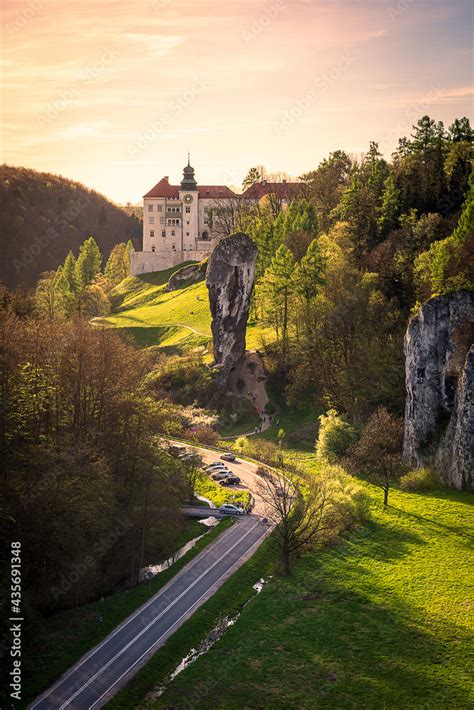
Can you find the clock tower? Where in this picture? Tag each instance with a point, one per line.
(188, 194)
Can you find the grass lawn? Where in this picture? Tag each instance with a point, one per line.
(176, 321)
(382, 620)
(48, 651)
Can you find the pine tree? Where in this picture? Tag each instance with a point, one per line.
(126, 256)
(278, 285)
(88, 264)
(115, 269)
(68, 271)
(309, 272)
(390, 207)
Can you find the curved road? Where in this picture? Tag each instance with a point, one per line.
(99, 674)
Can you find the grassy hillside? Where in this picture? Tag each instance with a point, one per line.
(382, 620)
(176, 320)
(43, 216)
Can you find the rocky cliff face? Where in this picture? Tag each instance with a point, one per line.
(186, 276)
(229, 279)
(439, 415)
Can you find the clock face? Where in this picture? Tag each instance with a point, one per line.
(188, 199)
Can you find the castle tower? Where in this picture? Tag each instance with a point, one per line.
(188, 182)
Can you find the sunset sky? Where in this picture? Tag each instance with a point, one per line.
(115, 93)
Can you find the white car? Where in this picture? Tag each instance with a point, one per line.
(229, 509)
(217, 467)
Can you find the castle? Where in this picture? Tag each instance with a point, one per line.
(179, 221)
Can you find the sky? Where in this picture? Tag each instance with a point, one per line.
(115, 93)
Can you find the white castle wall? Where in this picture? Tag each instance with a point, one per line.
(145, 262)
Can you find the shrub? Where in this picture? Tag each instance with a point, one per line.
(420, 479)
(335, 437)
(205, 435)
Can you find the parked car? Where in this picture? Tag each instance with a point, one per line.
(216, 467)
(220, 475)
(228, 457)
(229, 481)
(177, 449)
(229, 509)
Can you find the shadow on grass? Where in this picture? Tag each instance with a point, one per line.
(335, 634)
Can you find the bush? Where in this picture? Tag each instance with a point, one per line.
(420, 479)
(335, 437)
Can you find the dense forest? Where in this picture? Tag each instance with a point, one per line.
(340, 271)
(43, 216)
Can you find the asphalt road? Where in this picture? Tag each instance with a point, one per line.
(99, 674)
(245, 470)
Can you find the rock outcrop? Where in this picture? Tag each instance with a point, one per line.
(187, 276)
(439, 365)
(229, 279)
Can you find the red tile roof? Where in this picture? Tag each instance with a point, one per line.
(285, 190)
(215, 191)
(164, 189)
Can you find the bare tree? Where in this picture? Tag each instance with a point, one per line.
(298, 511)
(191, 471)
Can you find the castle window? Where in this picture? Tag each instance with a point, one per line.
(205, 235)
(159, 208)
(162, 220)
(163, 233)
(188, 209)
(173, 233)
(152, 233)
(187, 221)
(187, 234)
(169, 222)
(206, 221)
(150, 208)
(151, 220)
(153, 249)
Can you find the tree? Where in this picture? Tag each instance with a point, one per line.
(191, 473)
(448, 265)
(68, 271)
(389, 209)
(278, 283)
(49, 296)
(116, 267)
(88, 264)
(253, 176)
(378, 451)
(335, 437)
(298, 515)
(309, 273)
(460, 130)
(326, 184)
(94, 301)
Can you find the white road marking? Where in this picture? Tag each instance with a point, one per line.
(176, 622)
(121, 626)
(151, 623)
